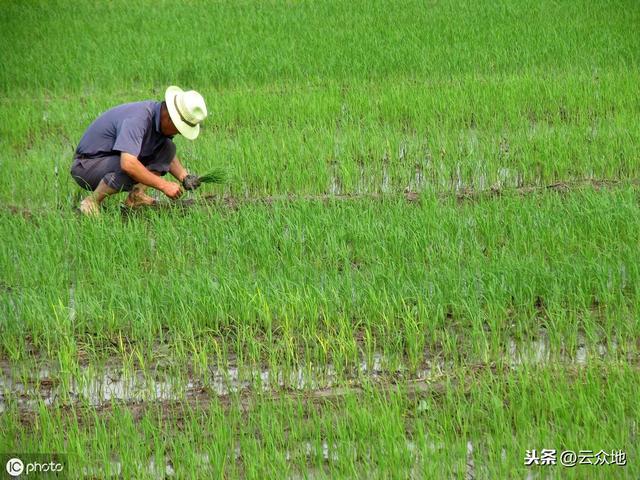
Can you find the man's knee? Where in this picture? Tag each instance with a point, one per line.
(118, 181)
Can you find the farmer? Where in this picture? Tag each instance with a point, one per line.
(130, 148)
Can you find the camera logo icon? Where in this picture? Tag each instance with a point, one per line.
(15, 467)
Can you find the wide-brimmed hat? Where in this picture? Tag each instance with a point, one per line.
(186, 109)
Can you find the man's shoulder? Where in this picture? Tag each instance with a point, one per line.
(141, 110)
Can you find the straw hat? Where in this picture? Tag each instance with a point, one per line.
(186, 109)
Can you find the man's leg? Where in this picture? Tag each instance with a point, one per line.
(91, 204)
(137, 196)
(103, 176)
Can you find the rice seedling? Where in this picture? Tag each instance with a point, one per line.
(218, 175)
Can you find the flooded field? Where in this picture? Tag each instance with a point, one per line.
(29, 388)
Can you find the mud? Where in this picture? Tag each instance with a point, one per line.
(139, 390)
(174, 399)
(461, 193)
(508, 183)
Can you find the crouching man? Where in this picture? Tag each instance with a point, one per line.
(130, 147)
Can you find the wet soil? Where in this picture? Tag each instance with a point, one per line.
(141, 391)
(461, 193)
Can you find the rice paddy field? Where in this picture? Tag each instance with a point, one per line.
(425, 262)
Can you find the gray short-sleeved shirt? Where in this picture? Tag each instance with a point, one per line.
(132, 128)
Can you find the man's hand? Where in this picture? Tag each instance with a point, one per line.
(191, 182)
(171, 189)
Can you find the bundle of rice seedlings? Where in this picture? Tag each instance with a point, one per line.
(219, 175)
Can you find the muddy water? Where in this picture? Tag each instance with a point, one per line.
(114, 382)
(117, 383)
(456, 182)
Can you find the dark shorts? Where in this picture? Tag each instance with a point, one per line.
(88, 172)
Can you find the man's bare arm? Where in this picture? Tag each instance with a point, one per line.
(138, 172)
(177, 170)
